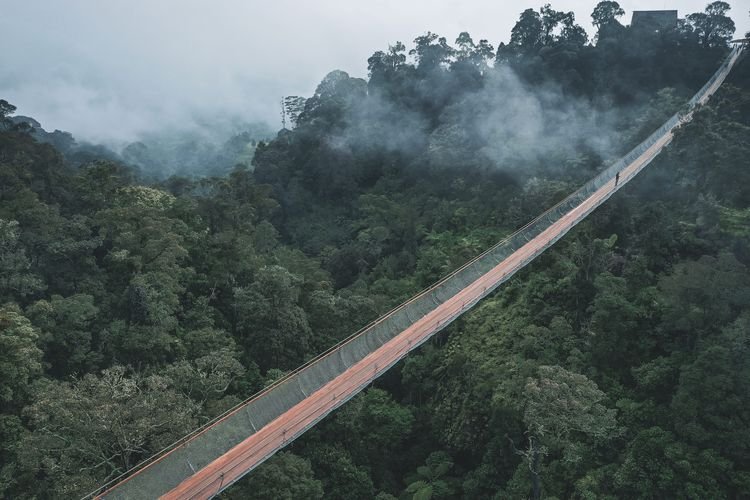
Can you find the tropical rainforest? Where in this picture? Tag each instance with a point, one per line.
(134, 308)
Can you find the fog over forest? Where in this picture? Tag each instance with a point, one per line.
(573, 199)
(108, 72)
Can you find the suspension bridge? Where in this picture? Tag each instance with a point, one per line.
(211, 458)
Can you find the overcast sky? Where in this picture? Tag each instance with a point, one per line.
(109, 70)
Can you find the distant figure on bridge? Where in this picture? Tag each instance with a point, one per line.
(617, 178)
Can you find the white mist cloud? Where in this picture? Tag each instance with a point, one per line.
(110, 70)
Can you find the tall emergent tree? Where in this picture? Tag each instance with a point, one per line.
(713, 27)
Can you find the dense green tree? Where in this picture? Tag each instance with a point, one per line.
(93, 428)
(713, 27)
(528, 33)
(551, 19)
(374, 427)
(16, 278)
(332, 317)
(67, 337)
(561, 407)
(701, 295)
(430, 481)
(657, 465)
(6, 109)
(340, 476)
(271, 324)
(336, 93)
(284, 476)
(711, 401)
(606, 13)
(384, 67)
(96, 184)
(206, 378)
(293, 106)
(11, 432)
(20, 358)
(375, 415)
(620, 322)
(431, 50)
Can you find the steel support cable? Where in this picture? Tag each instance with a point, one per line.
(655, 142)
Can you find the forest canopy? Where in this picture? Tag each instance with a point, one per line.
(135, 308)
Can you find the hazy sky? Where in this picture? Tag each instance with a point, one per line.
(108, 70)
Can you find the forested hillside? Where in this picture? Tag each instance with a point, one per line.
(614, 366)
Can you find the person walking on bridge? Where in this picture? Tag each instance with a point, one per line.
(617, 178)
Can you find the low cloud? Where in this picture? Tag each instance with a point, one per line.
(111, 71)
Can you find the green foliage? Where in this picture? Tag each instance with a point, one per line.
(207, 377)
(284, 476)
(6, 109)
(656, 465)
(270, 322)
(20, 358)
(561, 407)
(710, 399)
(16, 279)
(606, 13)
(93, 428)
(699, 295)
(341, 477)
(131, 311)
(430, 481)
(67, 325)
(563, 416)
(378, 421)
(713, 27)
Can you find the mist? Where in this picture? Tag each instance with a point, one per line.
(114, 72)
(506, 124)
